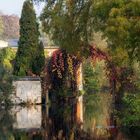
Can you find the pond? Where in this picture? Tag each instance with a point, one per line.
(66, 120)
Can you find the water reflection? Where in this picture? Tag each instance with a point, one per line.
(27, 117)
(97, 116)
(6, 122)
(59, 121)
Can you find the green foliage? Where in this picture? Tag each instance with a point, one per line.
(69, 24)
(120, 57)
(94, 77)
(6, 122)
(39, 61)
(97, 110)
(119, 21)
(28, 42)
(5, 87)
(90, 77)
(6, 56)
(136, 68)
(131, 112)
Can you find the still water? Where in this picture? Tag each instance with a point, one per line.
(91, 119)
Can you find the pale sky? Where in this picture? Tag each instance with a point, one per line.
(14, 7)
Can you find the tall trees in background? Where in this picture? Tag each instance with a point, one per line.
(28, 50)
(69, 24)
(39, 60)
(119, 21)
(10, 26)
(1, 27)
(120, 24)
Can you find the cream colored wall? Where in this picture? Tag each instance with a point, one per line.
(27, 118)
(27, 92)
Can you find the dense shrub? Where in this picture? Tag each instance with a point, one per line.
(6, 57)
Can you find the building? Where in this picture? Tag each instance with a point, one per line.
(13, 42)
(49, 49)
(10, 42)
(3, 44)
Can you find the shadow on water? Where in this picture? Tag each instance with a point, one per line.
(59, 121)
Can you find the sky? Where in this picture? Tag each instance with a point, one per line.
(14, 7)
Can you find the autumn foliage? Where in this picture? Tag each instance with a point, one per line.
(63, 67)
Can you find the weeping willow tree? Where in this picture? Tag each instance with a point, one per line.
(69, 24)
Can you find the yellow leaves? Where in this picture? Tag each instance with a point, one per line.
(59, 73)
(114, 12)
(118, 29)
(70, 66)
(53, 70)
(120, 56)
(7, 64)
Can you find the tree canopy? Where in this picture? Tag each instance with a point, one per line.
(28, 42)
(69, 24)
(119, 21)
(39, 61)
(1, 26)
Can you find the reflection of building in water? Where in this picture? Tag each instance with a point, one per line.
(27, 118)
(38, 122)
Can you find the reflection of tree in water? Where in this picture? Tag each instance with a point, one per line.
(6, 124)
(61, 124)
(58, 123)
(97, 114)
(61, 120)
